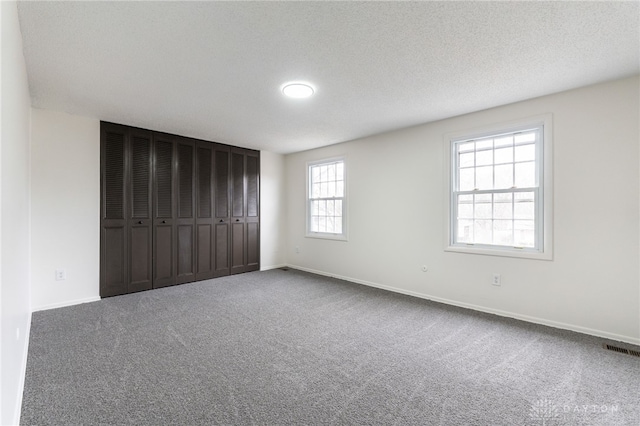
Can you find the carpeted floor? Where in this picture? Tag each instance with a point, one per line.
(287, 347)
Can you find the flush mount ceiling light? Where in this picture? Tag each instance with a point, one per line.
(297, 90)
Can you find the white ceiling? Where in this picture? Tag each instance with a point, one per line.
(214, 70)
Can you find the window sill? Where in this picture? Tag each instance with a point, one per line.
(488, 251)
(323, 236)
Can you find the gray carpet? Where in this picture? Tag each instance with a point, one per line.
(287, 347)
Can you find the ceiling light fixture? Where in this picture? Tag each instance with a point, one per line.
(297, 90)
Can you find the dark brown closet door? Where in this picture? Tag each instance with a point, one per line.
(204, 211)
(222, 208)
(113, 224)
(252, 217)
(238, 206)
(139, 211)
(164, 247)
(185, 226)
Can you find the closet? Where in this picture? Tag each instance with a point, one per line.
(174, 210)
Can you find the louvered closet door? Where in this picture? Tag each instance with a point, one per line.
(164, 258)
(139, 211)
(238, 206)
(221, 220)
(113, 223)
(205, 253)
(185, 228)
(252, 219)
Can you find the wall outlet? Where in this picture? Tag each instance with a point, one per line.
(61, 274)
(297, 250)
(497, 279)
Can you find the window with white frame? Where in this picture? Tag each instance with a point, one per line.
(326, 199)
(498, 197)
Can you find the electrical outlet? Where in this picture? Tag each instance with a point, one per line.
(61, 274)
(497, 279)
(297, 250)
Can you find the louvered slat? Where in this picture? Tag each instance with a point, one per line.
(222, 183)
(164, 179)
(185, 170)
(140, 177)
(252, 186)
(237, 168)
(114, 176)
(204, 182)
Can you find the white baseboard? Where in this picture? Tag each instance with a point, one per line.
(23, 373)
(535, 320)
(65, 303)
(267, 268)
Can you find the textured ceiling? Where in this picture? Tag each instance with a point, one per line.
(214, 70)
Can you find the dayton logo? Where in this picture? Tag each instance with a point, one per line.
(543, 412)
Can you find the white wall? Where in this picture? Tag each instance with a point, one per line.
(272, 210)
(65, 208)
(396, 224)
(14, 217)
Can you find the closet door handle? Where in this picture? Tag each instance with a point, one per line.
(164, 221)
(139, 222)
(221, 221)
(237, 220)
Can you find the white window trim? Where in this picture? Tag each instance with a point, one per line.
(345, 203)
(546, 251)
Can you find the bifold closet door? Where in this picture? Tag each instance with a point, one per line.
(185, 222)
(221, 220)
(204, 212)
(164, 247)
(125, 237)
(139, 211)
(245, 218)
(238, 206)
(252, 219)
(113, 224)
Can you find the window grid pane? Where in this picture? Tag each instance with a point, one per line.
(505, 219)
(326, 196)
(496, 190)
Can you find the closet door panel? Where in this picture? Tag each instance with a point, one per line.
(113, 269)
(140, 222)
(185, 253)
(222, 208)
(186, 211)
(253, 186)
(221, 182)
(164, 244)
(140, 259)
(253, 246)
(237, 248)
(237, 184)
(252, 218)
(205, 252)
(113, 224)
(222, 266)
(204, 211)
(163, 264)
(238, 210)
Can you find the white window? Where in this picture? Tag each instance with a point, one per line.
(500, 190)
(326, 202)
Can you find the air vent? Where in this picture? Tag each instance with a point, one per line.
(621, 350)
